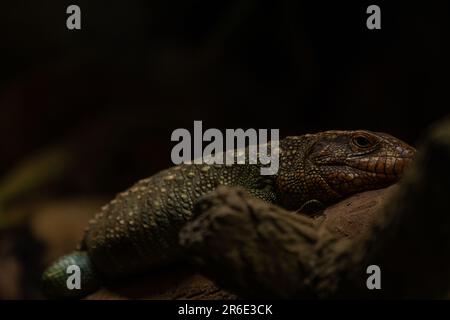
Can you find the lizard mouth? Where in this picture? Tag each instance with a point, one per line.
(387, 166)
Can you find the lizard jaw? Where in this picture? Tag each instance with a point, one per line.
(383, 166)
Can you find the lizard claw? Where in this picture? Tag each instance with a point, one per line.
(311, 207)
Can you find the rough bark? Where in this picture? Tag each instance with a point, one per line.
(350, 218)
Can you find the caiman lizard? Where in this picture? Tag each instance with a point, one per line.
(138, 230)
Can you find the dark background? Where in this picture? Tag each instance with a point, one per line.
(137, 70)
(101, 103)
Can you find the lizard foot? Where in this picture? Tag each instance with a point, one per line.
(311, 207)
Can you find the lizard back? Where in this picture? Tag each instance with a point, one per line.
(139, 229)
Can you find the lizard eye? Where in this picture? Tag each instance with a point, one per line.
(362, 141)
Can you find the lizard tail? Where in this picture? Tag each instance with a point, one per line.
(72, 276)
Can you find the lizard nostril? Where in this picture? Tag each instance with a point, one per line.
(408, 153)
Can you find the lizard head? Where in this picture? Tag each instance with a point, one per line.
(331, 165)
